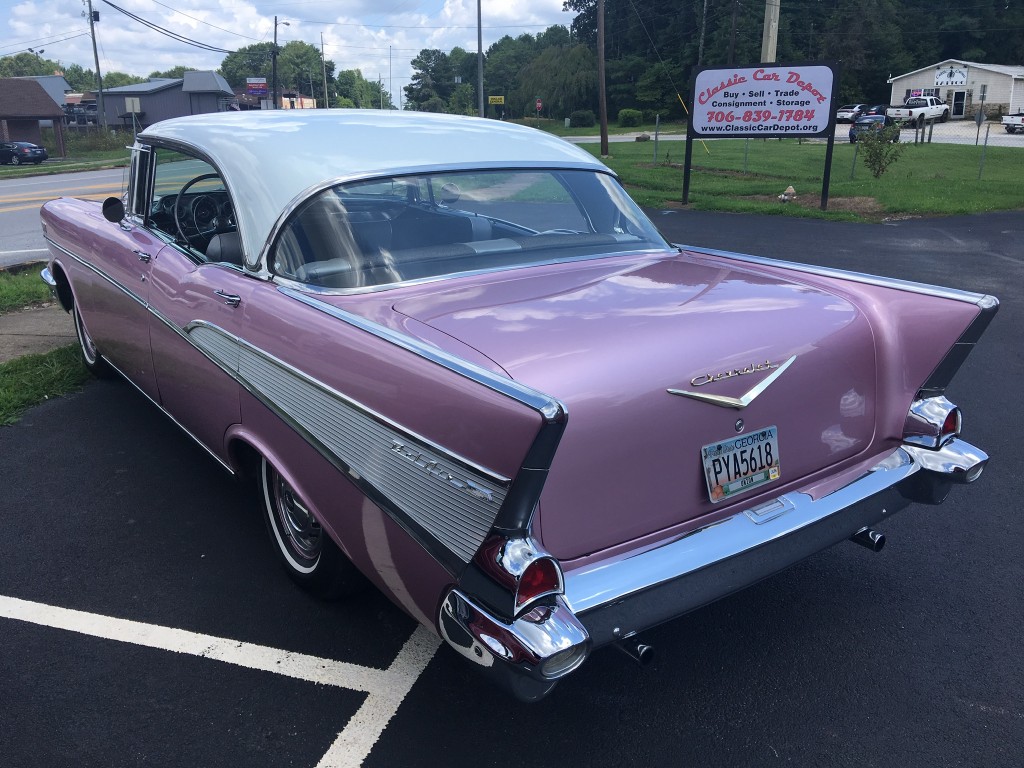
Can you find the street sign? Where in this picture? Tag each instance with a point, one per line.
(495, 99)
(539, 105)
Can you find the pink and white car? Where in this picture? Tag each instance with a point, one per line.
(457, 358)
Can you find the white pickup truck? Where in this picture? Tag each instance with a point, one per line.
(918, 109)
(1014, 123)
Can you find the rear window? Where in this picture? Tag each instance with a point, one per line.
(372, 234)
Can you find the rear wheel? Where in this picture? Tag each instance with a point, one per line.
(91, 359)
(15, 160)
(311, 558)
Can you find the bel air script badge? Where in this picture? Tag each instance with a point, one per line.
(777, 369)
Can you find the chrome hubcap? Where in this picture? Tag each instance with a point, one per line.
(297, 524)
(88, 348)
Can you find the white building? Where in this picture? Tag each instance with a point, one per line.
(964, 86)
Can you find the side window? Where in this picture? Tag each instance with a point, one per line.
(188, 202)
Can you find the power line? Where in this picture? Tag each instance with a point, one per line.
(167, 32)
(201, 21)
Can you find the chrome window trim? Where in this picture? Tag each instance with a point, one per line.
(262, 261)
(322, 291)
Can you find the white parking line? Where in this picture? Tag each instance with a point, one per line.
(386, 688)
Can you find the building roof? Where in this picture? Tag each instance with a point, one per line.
(24, 98)
(151, 86)
(55, 85)
(192, 82)
(206, 82)
(272, 159)
(1003, 69)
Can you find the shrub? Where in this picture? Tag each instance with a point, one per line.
(881, 148)
(630, 118)
(582, 118)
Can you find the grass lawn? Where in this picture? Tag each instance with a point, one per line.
(740, 176)
(81, 161)
(558, 128)
(29, 380)
(22, 289)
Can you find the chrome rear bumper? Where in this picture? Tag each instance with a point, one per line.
(613, 600)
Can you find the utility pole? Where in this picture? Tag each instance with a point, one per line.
(770, 37)
(732, 34)
(323, 60)
(274, 59)
(703, 27)
(480, 57)
(93, 15)
(602, 100)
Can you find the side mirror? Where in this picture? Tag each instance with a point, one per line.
(113, 210)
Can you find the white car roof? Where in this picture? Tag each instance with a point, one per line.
(271, 160)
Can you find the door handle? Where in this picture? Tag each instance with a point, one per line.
(231, 299)
(143, 256)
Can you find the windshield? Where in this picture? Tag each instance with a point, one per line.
(377, 233)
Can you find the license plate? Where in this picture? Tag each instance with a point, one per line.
(739, 464)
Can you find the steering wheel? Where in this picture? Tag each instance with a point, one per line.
(206, 214)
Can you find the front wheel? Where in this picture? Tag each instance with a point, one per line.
(91, 359)
(311, 558)
(945, 115)
(15, 160)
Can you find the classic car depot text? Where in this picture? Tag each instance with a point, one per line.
(790, 99)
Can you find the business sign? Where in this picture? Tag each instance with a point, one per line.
(256, 86)
(765, 101)
(495, 99)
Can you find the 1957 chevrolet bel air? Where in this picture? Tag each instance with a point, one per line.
(457, 358)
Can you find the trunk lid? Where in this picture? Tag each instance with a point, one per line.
(611, 338)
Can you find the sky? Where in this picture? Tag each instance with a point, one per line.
(357, 34)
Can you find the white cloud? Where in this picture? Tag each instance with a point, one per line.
(359, 38)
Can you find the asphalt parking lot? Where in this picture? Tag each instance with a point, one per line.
(143, 620)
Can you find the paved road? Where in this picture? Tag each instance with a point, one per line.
(20, 237)
(184, 644)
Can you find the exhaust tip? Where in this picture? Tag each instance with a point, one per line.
(866, 537)
(639, 652)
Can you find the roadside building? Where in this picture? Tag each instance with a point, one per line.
(24, 105)
(140, 105)
(965, 86)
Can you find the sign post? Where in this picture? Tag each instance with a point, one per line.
(765, 101)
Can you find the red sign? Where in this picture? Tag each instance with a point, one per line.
(539, 105)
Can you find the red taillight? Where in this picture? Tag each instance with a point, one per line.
(951, 426)
(541, 577)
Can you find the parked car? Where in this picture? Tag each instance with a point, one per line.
(849, 112)
(875, 109)
(21, 152)
(872, 123)
(919, 109)
(1013, 123)
(453, 355)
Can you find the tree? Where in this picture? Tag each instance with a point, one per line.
(248, 61)
(173, 72)
(566, 80)
(433, 78)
